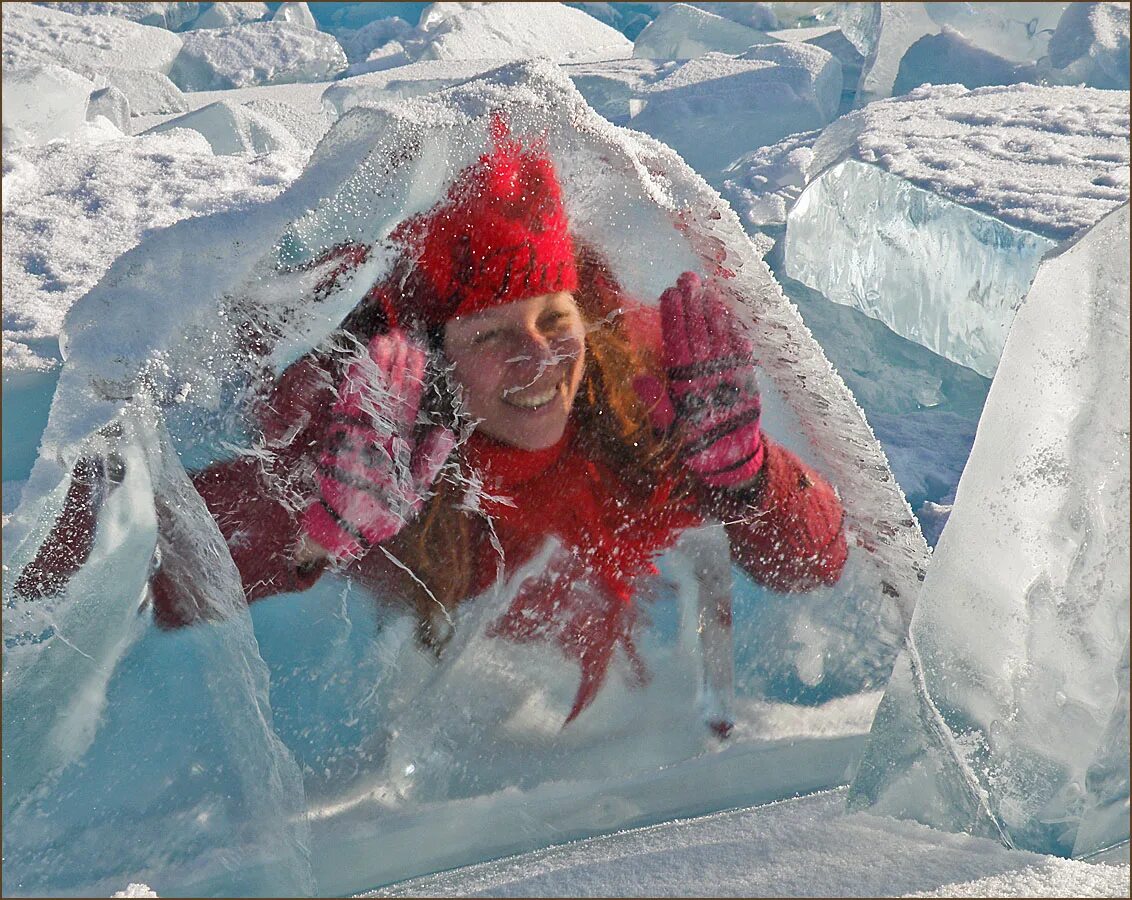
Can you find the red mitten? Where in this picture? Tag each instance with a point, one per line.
(711, 380)
(372, 479)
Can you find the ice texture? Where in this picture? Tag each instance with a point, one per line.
(744, 102)
(44, 103)
(438, 762)
(39, 35)
(1007, 714)
(933, 271)
(884, 33)
(682, 31)
(1020, 32)
(1090, 46)
(255, 53)
(977, 184)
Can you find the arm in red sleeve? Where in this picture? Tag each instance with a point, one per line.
(243, 496)
(786, 529)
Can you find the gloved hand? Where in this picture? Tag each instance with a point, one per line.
(371, 477)
(711, 382)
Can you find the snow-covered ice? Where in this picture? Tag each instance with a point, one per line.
(884, 33)
(255, 53)
(949, 57)
(451, 31)
(1090, 46)
(682, 31)
(227, 15)
(172, 15)
(975, 184)
(150, 93)
(40, 35)
(70, 210)
(233, 128)
(1007, 714)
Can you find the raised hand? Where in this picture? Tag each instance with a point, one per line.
(711, 381)
(372, 478)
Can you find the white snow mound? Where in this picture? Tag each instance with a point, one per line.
(517, 31)
(1090, 46)
(258, 53)
(232, 128)
(71, 209)
(39, 35)
(170, 15)
(742, 103)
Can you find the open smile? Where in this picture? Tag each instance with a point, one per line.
(533, 401)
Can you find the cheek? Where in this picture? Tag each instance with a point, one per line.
(480, 382)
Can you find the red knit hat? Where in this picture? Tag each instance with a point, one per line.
(499, 235)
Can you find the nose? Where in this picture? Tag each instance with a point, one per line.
(533, 347)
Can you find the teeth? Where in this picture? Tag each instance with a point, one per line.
(533, 401)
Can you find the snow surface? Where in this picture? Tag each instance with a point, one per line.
(255, 53)
(231, 127)
(807, 847)
(39, 35)
(757, 98)
(450, 31)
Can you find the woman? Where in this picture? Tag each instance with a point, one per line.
(598, 432)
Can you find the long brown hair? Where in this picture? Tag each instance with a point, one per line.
(439, 546)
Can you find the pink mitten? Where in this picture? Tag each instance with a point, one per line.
(371, 477)
(711, 377)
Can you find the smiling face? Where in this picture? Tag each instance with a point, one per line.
(520, 366)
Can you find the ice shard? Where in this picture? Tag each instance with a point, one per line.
(1007, 714)
(338, 736)
(929, 229)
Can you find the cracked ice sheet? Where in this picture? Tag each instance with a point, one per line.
(807, 847)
